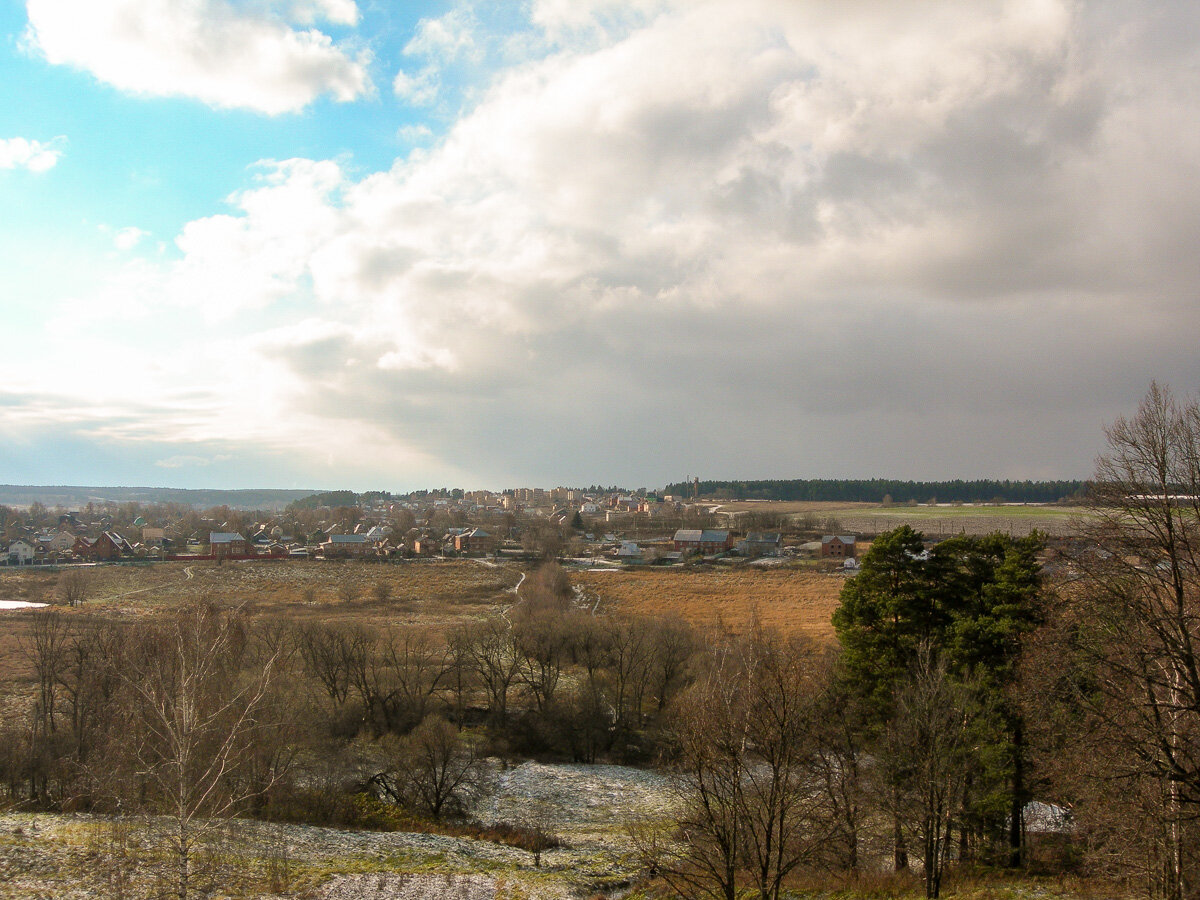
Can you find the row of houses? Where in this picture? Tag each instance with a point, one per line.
(109, 545)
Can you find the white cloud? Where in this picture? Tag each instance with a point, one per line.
(573, 21)
(414, 134)
(36, 156)
(128, 238)
(440, 43)
(209, 50)
(445, 38)
(420, 89)
(790, 224)
(338, 12)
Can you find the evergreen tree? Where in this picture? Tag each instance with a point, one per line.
(967, 603)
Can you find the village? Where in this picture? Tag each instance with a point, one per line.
(590, 527)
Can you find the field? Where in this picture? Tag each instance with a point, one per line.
(798, 601)
(433, 593)
(437, 594)
(935, 521)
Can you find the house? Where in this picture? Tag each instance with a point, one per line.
(20, 552)
(227, 543)
(761, 543)
(425, 545)
(474, 541)
(109, 545)
(629, 551)
(345, 545)
(707, 541)
(154, 537)
(837, 546)
(55, 542)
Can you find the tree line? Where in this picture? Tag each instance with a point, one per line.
(874, 490)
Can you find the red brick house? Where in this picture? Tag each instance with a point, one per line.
(109, 545)
(345, 545)
(227, 543)
(474, 541)
(837, 546)
(708, 541)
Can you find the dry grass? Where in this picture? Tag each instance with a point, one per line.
(438, 594)
(435, 594)
(795, 601)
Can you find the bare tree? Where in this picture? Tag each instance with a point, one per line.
(543, 539)
(74, 587)
(489, 650)
(1140, 634)
(926, 760)
(673, 644)
(329, 651)
(744, 732)
(630, 666)
(47, 649)
(416, 666)
(347, 591)
(434, 769)
(542, 638)
(196, 712)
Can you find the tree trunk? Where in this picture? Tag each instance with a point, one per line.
(1016, 814)
(900, 851)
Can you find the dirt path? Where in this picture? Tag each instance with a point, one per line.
(188, 575)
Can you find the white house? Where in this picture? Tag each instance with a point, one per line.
(20, 552)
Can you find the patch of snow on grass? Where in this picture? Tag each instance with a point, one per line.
(574, 796)
(409, 887)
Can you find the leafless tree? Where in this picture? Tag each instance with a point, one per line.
(47, 650)
(926, 760)
(417, 665)
(542, 639)
(1137, 621)
(196, 709)
(434, 768)
(489, 650)
(629, 664)
(744, 732)
(543, 539)
(673, 644)
(74, 587)
(347, 591)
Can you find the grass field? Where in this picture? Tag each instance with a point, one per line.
(792, 600)
(437, 594)
(433, 593)
(935, 521)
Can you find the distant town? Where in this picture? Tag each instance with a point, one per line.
(630, 527)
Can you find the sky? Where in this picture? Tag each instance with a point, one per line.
(389, 246)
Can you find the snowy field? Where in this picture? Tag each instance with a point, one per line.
(585, 807)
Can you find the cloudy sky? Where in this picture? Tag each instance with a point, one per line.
(377, 245)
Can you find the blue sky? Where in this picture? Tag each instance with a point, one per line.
(328, 243)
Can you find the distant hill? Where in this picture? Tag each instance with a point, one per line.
(76, 497)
